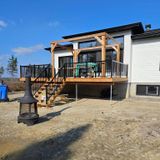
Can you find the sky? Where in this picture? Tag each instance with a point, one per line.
(28, 26)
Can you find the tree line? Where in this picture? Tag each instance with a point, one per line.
(12, 67)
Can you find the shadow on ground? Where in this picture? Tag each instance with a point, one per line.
(56, 148)
(65, 101)
(51, 115)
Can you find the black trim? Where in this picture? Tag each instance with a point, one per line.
(135, 27)
(147, 34)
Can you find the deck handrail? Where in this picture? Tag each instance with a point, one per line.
(96, 67)
(34, 70)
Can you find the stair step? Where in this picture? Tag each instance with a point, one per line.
(36, 96)
(43, 88)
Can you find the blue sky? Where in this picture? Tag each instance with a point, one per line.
(27, 26)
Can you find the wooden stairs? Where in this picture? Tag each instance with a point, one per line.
(47, 91)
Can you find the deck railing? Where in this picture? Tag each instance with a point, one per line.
(94, 69)
(41, 71)
(79, 69)
(119, 69)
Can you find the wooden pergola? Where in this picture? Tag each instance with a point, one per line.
(102, 38)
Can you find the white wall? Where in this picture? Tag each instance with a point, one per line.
(58, 54)
(146, 61)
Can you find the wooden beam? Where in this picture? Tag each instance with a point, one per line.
(79, 38)
(52, 57)
(103, 55)
(94, 48)
(118, 53)
(89, 48)
(75, 60)
(98, 39)
(110, 37)
(75, 56)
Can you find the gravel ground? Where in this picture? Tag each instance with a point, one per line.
(90, 129)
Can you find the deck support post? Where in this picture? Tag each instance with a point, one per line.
(75, 59)
(76, 91)
(53, 45)
(118, 59)
(104, 55)
(118, 53)
(111, 92)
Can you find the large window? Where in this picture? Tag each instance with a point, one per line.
(66, 59)
(93, 43)
(87, 44)
(111, 54)
(148, 90)
(89, 56)
(119, 39)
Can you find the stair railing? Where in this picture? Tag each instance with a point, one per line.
(57, 80)
(41, 78)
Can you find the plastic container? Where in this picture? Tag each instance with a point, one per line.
(3, 93)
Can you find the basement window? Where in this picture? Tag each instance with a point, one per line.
(152, 90)
(148, 90)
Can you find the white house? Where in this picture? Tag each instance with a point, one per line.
(140, 50)
(122, 61)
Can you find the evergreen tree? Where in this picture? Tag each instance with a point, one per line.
(12, 67)
(1, 71)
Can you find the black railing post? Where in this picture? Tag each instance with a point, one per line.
(120, 68)
(20, 71)
(34, 72)
(64, 73)
(46, 94)
(111, 68)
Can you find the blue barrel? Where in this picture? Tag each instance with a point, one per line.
(3, 93)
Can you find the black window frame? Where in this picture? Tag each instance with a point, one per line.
(142, 90)
(65, 62)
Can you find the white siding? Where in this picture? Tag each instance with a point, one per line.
(146, 61)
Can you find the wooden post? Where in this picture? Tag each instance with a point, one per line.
(74, 56)
(103, 55)
(118, 60)
(111, 92)
(76, 92)
(75, 60)
(52, 57)
(118, 53)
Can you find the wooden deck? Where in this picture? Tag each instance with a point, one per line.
(98, 80)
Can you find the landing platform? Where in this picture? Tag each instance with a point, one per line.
(98, 80)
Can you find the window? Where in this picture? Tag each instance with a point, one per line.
(152, 90)
(119, 39)
(89, 57)
(94, 43)
(66, 59)
(87, 44)
(148, 90)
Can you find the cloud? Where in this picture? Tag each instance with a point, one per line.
(28, 50)
(54, 24)
(3, 24)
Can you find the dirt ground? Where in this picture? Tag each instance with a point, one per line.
(90, 129)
